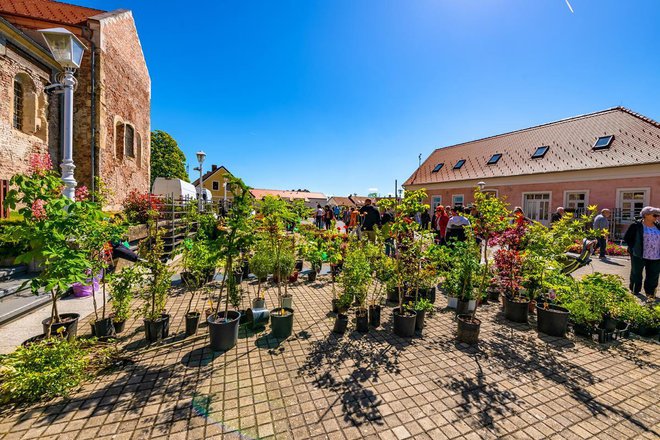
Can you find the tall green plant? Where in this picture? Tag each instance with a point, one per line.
(159, 275)
(356, 275)
(123, 285)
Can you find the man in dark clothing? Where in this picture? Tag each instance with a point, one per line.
(370, 217)
(426, 219)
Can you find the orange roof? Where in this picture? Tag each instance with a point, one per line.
(287, 195)
(48, 10)
(342, 201)
(636, 141)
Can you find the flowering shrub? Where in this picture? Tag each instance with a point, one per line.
(611, 249)
(137, 206)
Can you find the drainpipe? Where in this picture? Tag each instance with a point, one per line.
(93, 119)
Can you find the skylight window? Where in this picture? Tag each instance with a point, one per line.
(494, 159)
(438, 167)
(459, 164)
(540, 152)
(603, 142)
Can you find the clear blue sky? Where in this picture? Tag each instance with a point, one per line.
(341, 96)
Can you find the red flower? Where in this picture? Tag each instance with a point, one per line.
(82, 193)
(41, 163)
(38, 210)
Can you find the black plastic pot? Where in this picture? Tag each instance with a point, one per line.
(311, 276)
(552, 321)
(362, 320)
(462, 307)
(583, 330)
(335, 305)
(341, 322)
(643, 330)
(68, 323)
(299, 265)
(192, 323)
(393, 295)
(404, 323)
(419, 321)
(374, 315)
(281, 324)
(166, 325)
(468, 329)
(223, 334)
(516, 311)
(622, 330)
(154, 329)
(258, 317)
(103, 328)
(119, 326)
(493, 295)
(428, 294)
(609, 324)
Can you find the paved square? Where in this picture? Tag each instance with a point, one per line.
(515, 384)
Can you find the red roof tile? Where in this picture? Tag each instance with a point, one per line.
(287, 195)
(48, 10)
(636, 141)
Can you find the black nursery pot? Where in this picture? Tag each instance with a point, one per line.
(404, 322)
(192, 323)
(493, 295)
(341, 322)
(374, 315)
(281, 324)
(166, 324)
(468, 329)
(311, 276)
(335, 305)
(299, 265)
(154, 329)
(238, 276)
(516, 311)
(609, 324)
(428, 294)
(103, 328)
(362, 320)
(119, 326)
(392, 296)
(258, 317)
(462, 307)
(223, 334)
(68, 321)
(419, 321)
(552, 321)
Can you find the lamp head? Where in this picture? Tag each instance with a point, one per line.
(200, 157)
(65, 47)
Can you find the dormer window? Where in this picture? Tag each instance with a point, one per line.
(494, 159)
(438, 167)
(540, 152)
(603, 142)
(459, 164)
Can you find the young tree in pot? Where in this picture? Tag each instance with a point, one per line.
(509, 265)
(314, 251)
(157, 284)
(261, 265)
(53, 225)
(236, 233)
(334, 255)
(408, 250)
(355, 279)
(122, 287)
(196, 260)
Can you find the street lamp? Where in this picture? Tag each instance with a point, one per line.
(200, 159)
(481, 185)
(224, 188)
(68, 51)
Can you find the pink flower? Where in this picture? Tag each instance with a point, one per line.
(41, 163)
(82, 193)
(38, 210)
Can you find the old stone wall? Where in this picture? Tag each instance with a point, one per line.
(39, 132)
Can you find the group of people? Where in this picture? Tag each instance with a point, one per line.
(363, 219)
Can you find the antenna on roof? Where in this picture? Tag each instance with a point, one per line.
(420, 160)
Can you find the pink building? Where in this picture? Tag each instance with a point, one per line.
(609, 158)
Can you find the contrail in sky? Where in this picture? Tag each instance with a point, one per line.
(570, 7)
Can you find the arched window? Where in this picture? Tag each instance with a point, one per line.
(129, 141)
(18, 104)
(119, 140)
(138, 143)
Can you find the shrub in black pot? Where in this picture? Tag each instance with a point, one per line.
(552, 319)
(341, 323)
(67, 325)
(404, 322)
(281, 322)
(468, 329)
(516, 309)
(192, 323)
(122, 285)
(103, 328)
(223, 330)
(362, 320)
(311, 276)
(422, 307)
(374, 315)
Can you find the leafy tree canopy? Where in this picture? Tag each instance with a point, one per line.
(167, 159)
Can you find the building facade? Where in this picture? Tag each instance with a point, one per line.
(215, 181)
(609, 158)
(111, 137)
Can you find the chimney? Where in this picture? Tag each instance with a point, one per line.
(214, 167)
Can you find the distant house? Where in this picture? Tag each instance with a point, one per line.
(609, 158)
(349, 202)
(215, 180)
(311, 198)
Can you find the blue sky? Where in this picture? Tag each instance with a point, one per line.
(341, 96)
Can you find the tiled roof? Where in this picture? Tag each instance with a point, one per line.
(342, 201)
(210, 173)
(48, 10)
(358, 200)
(636, 141)
(287, 195)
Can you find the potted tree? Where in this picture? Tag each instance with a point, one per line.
(236, 233)
(341, 320)
(261, 265)
(314, 251)
(157, 284)
(197, 261)
(122, 286)
(355, 279)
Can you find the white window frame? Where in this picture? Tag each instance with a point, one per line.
(433, 200)
(619, 204)
(453, 200)
(570, 191)
(522, 204)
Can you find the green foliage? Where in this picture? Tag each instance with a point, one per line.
(313, 251)
(43, 370)
(424, 304)
(640, 315)
(123, 285)
(167, 159)
(284, 265)
(356, 275)
(462, 280)
(159, 275)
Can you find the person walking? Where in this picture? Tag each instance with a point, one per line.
(426, 220)
(328, 216)
(440, 225)
(370, 218)
(557, 215)
(602, 224)
(319, 216)
(643, 240)
(456, 225)
(353, 219)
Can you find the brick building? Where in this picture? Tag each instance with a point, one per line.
(111, 137)
(609, 158)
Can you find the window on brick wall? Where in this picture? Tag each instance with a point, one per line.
(119, 140)
(138, 148)
(18, 105)
(129, 141)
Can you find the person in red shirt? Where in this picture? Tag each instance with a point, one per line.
(440, 224)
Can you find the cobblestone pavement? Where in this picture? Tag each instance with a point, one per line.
(515, 384)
